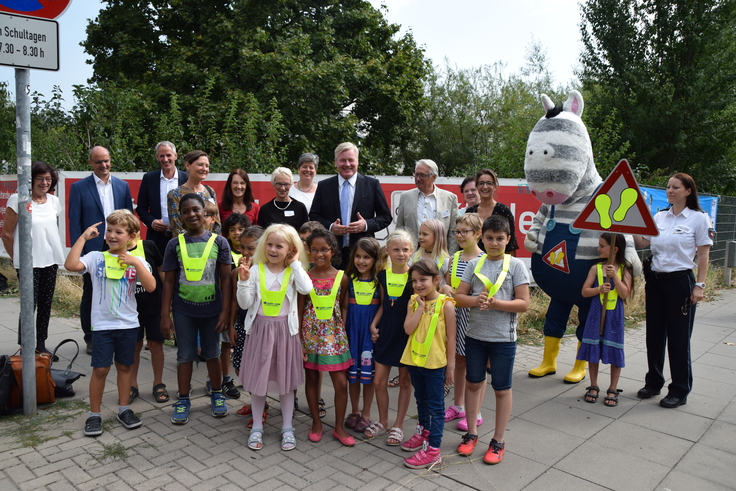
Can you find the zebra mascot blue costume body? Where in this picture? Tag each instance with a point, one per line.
(561, 173)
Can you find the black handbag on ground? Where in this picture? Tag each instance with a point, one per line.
(7, 379)
(65, 378)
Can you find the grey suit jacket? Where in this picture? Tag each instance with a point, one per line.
(406, 216)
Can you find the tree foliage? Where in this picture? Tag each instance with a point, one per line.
(334, 70)
(665, 73)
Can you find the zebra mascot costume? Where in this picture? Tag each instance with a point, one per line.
(561, 174)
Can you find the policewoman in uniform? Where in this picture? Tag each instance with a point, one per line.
(672, 291)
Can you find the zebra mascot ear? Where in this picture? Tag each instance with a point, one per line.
(573, 104)
(547, 103)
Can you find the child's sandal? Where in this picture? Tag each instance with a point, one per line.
(611, 401)
(395, 437)
(288, 440)
(255, 440)
(374, 430)
(589, 396)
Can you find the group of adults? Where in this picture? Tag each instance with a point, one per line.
(352, 206)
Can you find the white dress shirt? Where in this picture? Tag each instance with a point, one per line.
(106, 196)
(426, 206)
(165, 185)
(679, 238)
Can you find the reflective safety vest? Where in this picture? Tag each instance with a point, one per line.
(194, 266)
(613, 294)
(325, 304)
(364, 291)
(271, 301)
(420, 350)
(490, 286)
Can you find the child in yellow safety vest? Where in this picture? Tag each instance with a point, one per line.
(430, 357)
(324, 340)
(196, 288)
(268, 286)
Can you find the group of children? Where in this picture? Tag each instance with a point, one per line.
(288, 315)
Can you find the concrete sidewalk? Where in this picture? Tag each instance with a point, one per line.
(554, 441)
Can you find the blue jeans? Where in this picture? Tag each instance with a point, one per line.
(429, 392)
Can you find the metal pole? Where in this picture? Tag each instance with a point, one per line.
(28, 329)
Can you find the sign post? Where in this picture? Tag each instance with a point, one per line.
(29, 41)
(618, 206)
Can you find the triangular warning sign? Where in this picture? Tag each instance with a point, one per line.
(618, 206)
(557, 257)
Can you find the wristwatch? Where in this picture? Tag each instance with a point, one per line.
(701, 285)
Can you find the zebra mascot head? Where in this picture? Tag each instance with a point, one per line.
(559, 163)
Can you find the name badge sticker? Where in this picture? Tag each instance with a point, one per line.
(445, 213)
(289, 213)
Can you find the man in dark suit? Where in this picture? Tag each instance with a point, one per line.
(90, 201)
(155, 185)
(350, 204)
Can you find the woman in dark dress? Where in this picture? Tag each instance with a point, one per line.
(283, 208)
(486, 182)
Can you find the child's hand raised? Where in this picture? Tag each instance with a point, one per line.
(127, 259)
(292, 256)
(420, 303)
(244, 268)
(91, 231)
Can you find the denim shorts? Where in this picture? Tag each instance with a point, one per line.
(187, 328)
(150, 327)
(117, 342)
(477, 354)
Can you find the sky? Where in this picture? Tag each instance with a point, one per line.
(464, 33)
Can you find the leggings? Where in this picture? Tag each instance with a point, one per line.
(44, 285)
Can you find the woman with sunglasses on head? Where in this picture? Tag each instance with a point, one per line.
(486, 182)
(283, 208)
(46, 244)
(672, 291)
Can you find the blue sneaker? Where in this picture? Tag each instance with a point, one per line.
(181, 412)
(219, 406)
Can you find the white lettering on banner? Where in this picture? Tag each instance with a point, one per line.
(526, 220)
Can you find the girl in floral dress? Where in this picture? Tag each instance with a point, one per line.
(324, 341)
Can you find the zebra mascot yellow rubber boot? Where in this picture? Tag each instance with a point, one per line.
(578, 370)
(549, 362)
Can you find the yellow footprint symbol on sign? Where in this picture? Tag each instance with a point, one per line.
(603, 206)
(557, 258)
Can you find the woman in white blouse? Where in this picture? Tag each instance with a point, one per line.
(672, 291)
(303, 190)
(46, 243)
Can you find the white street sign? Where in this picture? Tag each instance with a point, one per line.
(28, 42)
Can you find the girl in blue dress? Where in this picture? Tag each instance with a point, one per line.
(607, 344)
(364, 303)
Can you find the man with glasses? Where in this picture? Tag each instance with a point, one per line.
(427, 201)
(350, 204)
(90, 201)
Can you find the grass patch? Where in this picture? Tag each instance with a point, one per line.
(67, 296)
(33, 430)
(111, 451)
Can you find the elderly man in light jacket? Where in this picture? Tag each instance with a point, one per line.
(427, 201)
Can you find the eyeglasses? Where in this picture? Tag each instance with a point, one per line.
(686, 307)
(282, 185)
(419, 175)
(43, 179)
(480, 184)
(314, 252)
(463, 233)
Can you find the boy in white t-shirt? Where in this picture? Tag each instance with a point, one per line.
(114, 314)
(496, 289)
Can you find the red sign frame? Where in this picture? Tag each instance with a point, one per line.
(50, 9)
